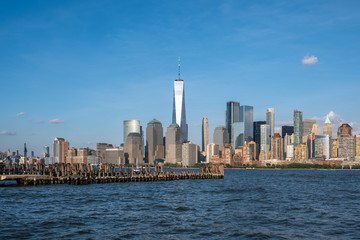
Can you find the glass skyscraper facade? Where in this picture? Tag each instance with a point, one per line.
(270, 120)
(232, 121)
(257, 135)
(322, 146)
(245, 130)
(179, 115)
(298, 128)
(264, 138)
(131, 126)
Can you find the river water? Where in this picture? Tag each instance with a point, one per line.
(247, 204)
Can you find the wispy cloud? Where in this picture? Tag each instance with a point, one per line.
(39, 121)
(309, 60)
(56, 121)
(20, 114)
(5, 132)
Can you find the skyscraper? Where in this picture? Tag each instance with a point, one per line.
(154, 141)
(270, 120)
(46, 151)
(289, 130)
(212, 149)
(308, 126)
(257, 135)
(246, 126)
(315, 129)
(347, 148)
(322, 146)
(179, 114)
(174, 141)
(134, 149)
(232, 120)
(265, 138)
(327, 130)
(221, 136)
(25, 150)
(277, 147)
(100, 151)
(60, 148)
(344, 130)
(298, 128)
(205, 134)
(190, 154)
(131, 126)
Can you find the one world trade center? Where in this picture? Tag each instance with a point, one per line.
(179, 115)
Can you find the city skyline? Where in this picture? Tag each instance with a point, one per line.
(83, 87)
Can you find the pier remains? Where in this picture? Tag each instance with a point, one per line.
(81, 174)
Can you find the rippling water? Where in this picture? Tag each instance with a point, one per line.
(254, 204)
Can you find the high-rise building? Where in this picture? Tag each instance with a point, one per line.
(154, 141)
(327, 130)
(334, 146)
(252, 150)
(298, 128)
(277, 147)
(246, 126)
(301, 152)
(346, 148)
(288, 140)
(270, 120)
(190, 154)
(60, 147)
(308, 126)
(289, 130)
(205, 134)
(289, 152)
(46, 151)
(221, 136)
(310, 143)
(227, 155)
(212, 149)
(344, 130)
(232, 121)
(357, 145)
(179, 114)
(25, 150)
(257, 135)
(265, 138)
(100, 151)
(174, 140)
(322, 146)
(134, 149)
(115, 155)
(315, 129)
(131, 126)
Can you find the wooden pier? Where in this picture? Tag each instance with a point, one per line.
(81, 174)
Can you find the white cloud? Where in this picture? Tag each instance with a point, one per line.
(333, 116)
(309, 60)
(56, 121)
(20, 114)
(5, 132)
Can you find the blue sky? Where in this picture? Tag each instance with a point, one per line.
(78, 69)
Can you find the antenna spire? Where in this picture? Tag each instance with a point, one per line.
(179, 68)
